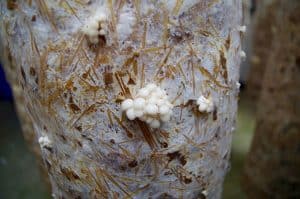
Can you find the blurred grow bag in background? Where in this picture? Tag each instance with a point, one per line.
(5, 92)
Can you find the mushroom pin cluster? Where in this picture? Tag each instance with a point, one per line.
(150, 105)
(205, 104)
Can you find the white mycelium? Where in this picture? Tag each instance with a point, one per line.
(150, 105)
(126, 22)
(205, 104)
(242, 54)
(148, 40)
(238, 85)
(96, 26)
(44, 141)
(242, 29)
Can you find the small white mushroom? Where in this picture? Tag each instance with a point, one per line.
(96, 25)
(165, 118)
(130, 114)
(205, 104)
(138, 113)
(126, 104)
(44, 141)
(155, 124)
(143, 92)
(139, 103)
(204, 192)
(151, 87)
(151, 109)
(152, 100)
(238, 85)
(163, 109)
(242, 54)
(242, 29)
(149, 120)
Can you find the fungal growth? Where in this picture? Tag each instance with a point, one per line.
(150, 105)
(44, 141)
(126, 22)
(242, 54)
(205, 104)
(96, 26)
(116, 81)
(242, 29)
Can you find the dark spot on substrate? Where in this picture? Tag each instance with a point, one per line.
(101, 43)
(187, 180)
(129, 135)
(200, 196)
(84, 75)
(63, 137)
(11, 4)
(79, 143)
(49, 149)
(87, 138)
(112, 141)
(131, 81)
(79, 128)
(165, 196)
(23, 74)
(69, 174)
(33, 18)
(167, 173)
(298, 62)
(108, 78)
(9, 57)
(74, 108)
(122, 167)
(178, 35)
(215, 114)
(164, 145)
(32, 71)
(177, 155)
(133, 163)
